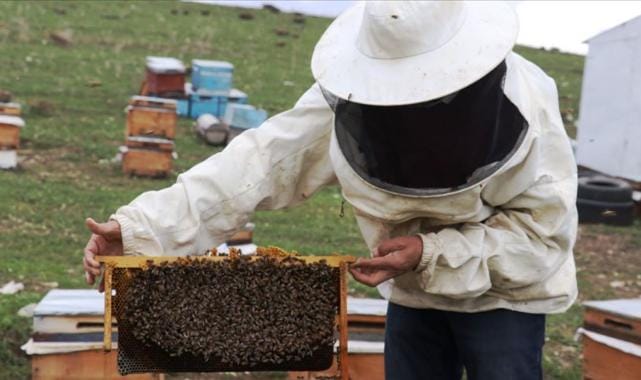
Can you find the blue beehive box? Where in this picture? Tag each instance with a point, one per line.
(212, 75)
(237, 96)
(201, 103)
(244, 116)
(182, 107)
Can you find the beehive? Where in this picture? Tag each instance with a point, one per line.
(612, 339)
(147, 156)
(203, 101)
(141, 352)
(237, 96)
(148, 116)
(165, 76)
(10, 131)
(12, 109)
(212, 75)
(241, 117)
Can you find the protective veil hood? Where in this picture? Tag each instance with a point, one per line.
(433, 147)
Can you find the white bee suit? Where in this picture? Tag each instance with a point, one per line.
(503, 241)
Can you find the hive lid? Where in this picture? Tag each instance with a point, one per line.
(12, 120)
(150, 142)
(236, 93)
(627, 308)
(189, 90)
(617, 344)
(10, 105)
(61, 302)
(212, 64)
(366, 306)
(152, 101)
(46, 348)
(163, 65)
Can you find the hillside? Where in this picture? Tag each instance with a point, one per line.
(74, 96)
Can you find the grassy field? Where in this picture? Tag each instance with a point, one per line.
(73, 100)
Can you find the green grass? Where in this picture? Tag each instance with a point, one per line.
(74, 129)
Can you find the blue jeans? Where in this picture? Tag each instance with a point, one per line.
(433, 344)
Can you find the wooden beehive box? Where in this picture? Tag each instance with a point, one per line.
(10, 131)
(612, 339)
(12, 109)
(147, 156)
(164, 76)
(67, 338)
(148, 116)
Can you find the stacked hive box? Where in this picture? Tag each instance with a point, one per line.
(211, 85)
(612, 339)
(10, 125)
(151, 128)
(210, 93)
(241, 117)
(165, 78)
(67, 338)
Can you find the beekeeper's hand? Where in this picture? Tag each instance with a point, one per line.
(105, 240)
(392, 257)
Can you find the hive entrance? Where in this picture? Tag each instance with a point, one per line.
(220, 314)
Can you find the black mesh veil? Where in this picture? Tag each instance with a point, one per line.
(432, 145)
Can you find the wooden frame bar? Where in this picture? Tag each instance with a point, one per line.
(142, 261)
(108, 295)
(343, 365)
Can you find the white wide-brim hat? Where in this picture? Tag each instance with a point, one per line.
(405, 52)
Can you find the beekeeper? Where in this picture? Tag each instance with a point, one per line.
(451, 151)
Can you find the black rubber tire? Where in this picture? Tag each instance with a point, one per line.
(617, 214)
(604, 189)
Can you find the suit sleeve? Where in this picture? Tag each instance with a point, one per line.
(277, 165)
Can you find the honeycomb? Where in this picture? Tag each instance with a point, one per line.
(267, 313)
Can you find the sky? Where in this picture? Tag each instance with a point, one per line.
(564, 25)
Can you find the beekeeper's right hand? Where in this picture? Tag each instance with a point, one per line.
(105, 240)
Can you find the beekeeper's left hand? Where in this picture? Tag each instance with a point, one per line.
(392, 257)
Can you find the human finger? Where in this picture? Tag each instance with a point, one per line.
(90, 278)
(391, 245)
(389, 262)
(89, 268)
(372, 278)
(91, 250)
(109, 230)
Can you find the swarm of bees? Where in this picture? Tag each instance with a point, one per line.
(242, 312)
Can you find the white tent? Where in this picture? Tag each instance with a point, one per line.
(609, 128)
